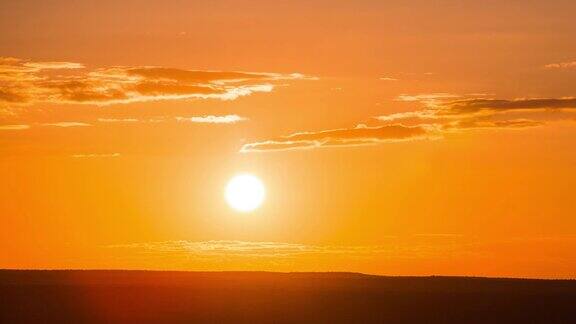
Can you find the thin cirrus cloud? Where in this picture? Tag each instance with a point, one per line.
(38, 66)
(206, 119)
(435, 108)
(426, 96)
(65, 124)
(95, 155)
(474, 106)
(212, 119)
(209, 119)
(359, 136)
(407, 247)
(411, 246)
(480, 113)
(25, 82)
(14, 127)
(440, 115)
(241, 248)
(118, 120)
(561, 65)
(391, 248)
(465, 125)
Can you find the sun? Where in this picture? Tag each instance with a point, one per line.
(245, 192)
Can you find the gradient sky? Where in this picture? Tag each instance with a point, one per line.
(394, 137)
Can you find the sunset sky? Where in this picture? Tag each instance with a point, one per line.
(392, 137)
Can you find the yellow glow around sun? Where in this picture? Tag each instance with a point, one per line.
(245, 192)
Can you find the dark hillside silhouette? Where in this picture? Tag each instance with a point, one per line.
(263, 297)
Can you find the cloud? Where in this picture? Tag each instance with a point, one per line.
(479, 105)
(244, 248)
(444, 108)
(67, 124)
(245, 252)
(16, 64)
(426, 96)
(388, 79)
(421, 114)
(207, 119)
(562, 65)
(469, 114)
(192, 76)
(15, 72)
(38, 66)
(488, 124)
(425, 251)
(441, 114)
(14, 127)
(360, 135)
(410, 246)
(95, 155)
(211, 119)
(24, 82)
(118, 120)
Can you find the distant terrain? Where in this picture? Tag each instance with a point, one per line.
(265, 297)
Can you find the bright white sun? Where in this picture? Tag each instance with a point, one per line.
(245, 192)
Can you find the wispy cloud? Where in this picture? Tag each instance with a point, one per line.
(419, 114)
(243, 248)
(358, 136)
(64, 124)
(23, 82)
(206, 119)
(472, 124)
(212, 119)
(95, 155)
(561, 65)
(480, 113)
(426, 96)
(413, 246)
(118, 120)
(391, 251)
(440, 114)
(67, 124)
(14, 127)
(479, 105)
(38, 66)
(438, 107)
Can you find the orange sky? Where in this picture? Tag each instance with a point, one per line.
(393, 137)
